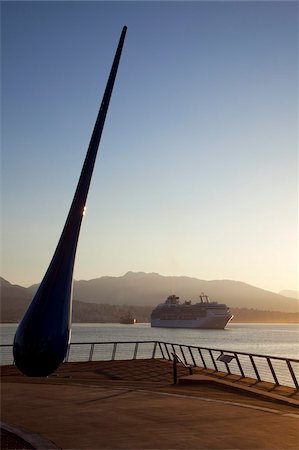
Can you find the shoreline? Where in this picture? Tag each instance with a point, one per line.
(145, 323)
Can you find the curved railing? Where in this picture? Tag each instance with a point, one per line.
(274, 369)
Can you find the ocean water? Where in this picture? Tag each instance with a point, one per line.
(266, 339)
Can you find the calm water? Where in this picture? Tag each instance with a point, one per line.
(268, 339)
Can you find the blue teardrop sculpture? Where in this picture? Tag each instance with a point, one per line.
(42, 337)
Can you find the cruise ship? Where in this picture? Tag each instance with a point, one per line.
(204, 314)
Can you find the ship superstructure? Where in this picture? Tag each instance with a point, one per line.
(204, 314)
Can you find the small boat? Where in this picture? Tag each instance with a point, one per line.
(128, 319)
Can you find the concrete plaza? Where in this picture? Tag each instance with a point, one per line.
(88, 406)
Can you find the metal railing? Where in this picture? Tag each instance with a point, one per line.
(273, 369)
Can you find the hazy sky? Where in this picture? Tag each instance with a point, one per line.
(197, 169)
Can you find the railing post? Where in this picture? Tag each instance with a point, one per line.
(184, 357)
(91, 352)
(292, 374)
(255, 368)
(135, 351)
(161, 350)
(272, 371)
(173, 349)
(174, 366)
(227, 368)
(239, 365)
(192, 357)
(154, 350)
(202, 358)
(169, 357)
(213, 360)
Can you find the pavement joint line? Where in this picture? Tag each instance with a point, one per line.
(127, 391)
(226, 402)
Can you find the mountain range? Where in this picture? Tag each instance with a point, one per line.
(141, 289)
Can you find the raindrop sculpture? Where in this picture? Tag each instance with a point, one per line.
(43, 335)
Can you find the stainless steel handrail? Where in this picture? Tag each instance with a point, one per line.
(258, 366)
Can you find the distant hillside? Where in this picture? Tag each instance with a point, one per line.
(15, 300)
(105, 299)
(13, 311)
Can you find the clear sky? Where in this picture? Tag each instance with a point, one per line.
(197, 169)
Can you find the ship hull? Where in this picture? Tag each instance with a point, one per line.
(208, 322)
